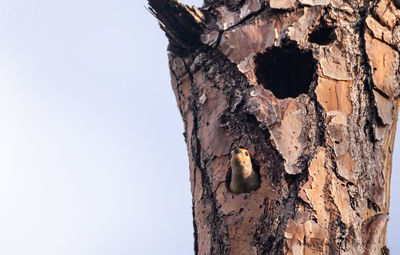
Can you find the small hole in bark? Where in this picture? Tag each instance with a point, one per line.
(322, 35)
(234, 5)
(373, 206)
(286, 71)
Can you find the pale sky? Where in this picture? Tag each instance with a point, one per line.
(92, 156)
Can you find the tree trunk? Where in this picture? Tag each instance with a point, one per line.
(310, 88)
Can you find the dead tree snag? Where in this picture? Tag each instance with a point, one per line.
(311, 89)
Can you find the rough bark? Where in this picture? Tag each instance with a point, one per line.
(311, 89)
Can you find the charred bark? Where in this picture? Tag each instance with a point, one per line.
(311, 89)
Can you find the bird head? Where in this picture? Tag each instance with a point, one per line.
(240, 155)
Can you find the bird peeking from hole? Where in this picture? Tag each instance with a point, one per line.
(244, 179)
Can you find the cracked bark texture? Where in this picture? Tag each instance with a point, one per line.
(311, 89)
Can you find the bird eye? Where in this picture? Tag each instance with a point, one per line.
(246, 153)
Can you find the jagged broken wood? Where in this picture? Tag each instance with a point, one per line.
(311, 89)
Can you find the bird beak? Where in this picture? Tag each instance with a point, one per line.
(237, 150)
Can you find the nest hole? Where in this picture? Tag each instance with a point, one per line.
(322, 35)
(286, 71)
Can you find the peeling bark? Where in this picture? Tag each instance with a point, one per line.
(311, 89)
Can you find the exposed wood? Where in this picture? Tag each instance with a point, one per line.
(186, 22)
(311, 89)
